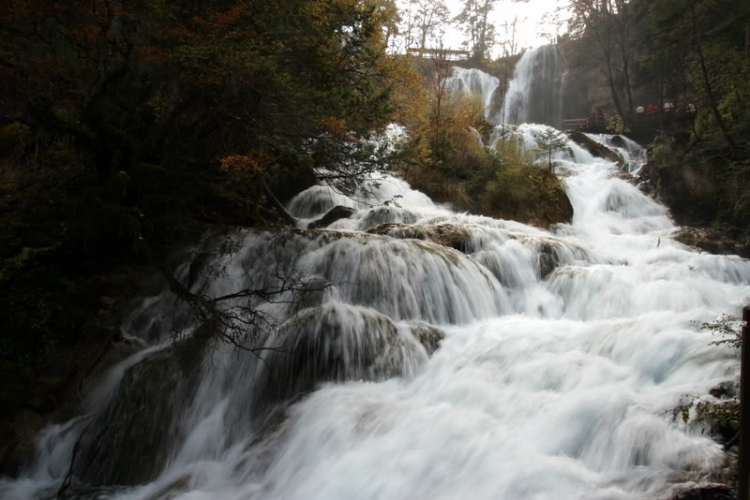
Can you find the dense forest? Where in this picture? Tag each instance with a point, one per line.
(130, 130)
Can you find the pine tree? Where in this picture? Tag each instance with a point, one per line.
(550, 142)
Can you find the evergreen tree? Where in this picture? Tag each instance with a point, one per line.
(550, 142)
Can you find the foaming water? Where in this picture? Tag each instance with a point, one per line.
(440, 355)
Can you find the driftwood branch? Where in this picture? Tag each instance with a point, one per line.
(278, 205)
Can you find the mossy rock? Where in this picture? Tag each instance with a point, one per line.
(531, 196)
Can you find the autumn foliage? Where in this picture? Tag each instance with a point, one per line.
(130, 126)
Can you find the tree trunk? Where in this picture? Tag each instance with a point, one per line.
(613, 89)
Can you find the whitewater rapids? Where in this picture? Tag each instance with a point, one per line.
(555, 361)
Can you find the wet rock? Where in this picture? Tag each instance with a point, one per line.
(724, 390)
(712, 492)
(551, 251)
(449, 235)
(136, 423)
(429, 336)
(715, 240)
(140, 419)
(387, 215)
(336, 213)
(333, 343)
(593, 147)
(619, 141)
(548, 259)
(625, 176)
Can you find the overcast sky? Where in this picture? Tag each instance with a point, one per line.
(533, 21)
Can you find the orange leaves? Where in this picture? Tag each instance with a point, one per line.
(255, 163)
(337, 128)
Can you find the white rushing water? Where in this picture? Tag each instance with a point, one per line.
(535, 92)
(474, 82)
(563, 354)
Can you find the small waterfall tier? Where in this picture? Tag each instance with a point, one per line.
(535, 92)
(475, 82)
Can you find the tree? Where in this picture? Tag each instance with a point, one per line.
(550, 142)
(476, 25)
(423, 23)
(609, 23)
(300, 81)
(431, 19)
(139, 124)
(700, 58)
(509, 41)
(439, 105)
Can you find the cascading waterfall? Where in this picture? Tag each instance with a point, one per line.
(429, 354)
(474, 82)
(536, 90)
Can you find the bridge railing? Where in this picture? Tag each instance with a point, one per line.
(576, 123)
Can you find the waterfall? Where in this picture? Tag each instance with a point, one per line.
(426, 354)
(474, 82)
(535, 92)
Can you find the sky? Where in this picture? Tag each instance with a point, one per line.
(533, 21)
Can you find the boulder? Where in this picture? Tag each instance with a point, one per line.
(724, 390)
(429, 336)
(336, 213)
(333, 343)
(593, 147)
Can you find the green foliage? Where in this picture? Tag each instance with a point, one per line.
(720, 418)
(728, 327)
(616, 125)
(550, 142)
(697, 54)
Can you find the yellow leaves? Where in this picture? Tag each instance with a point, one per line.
(409, 96)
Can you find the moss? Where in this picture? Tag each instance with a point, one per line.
(530, 195)
(504, 183)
